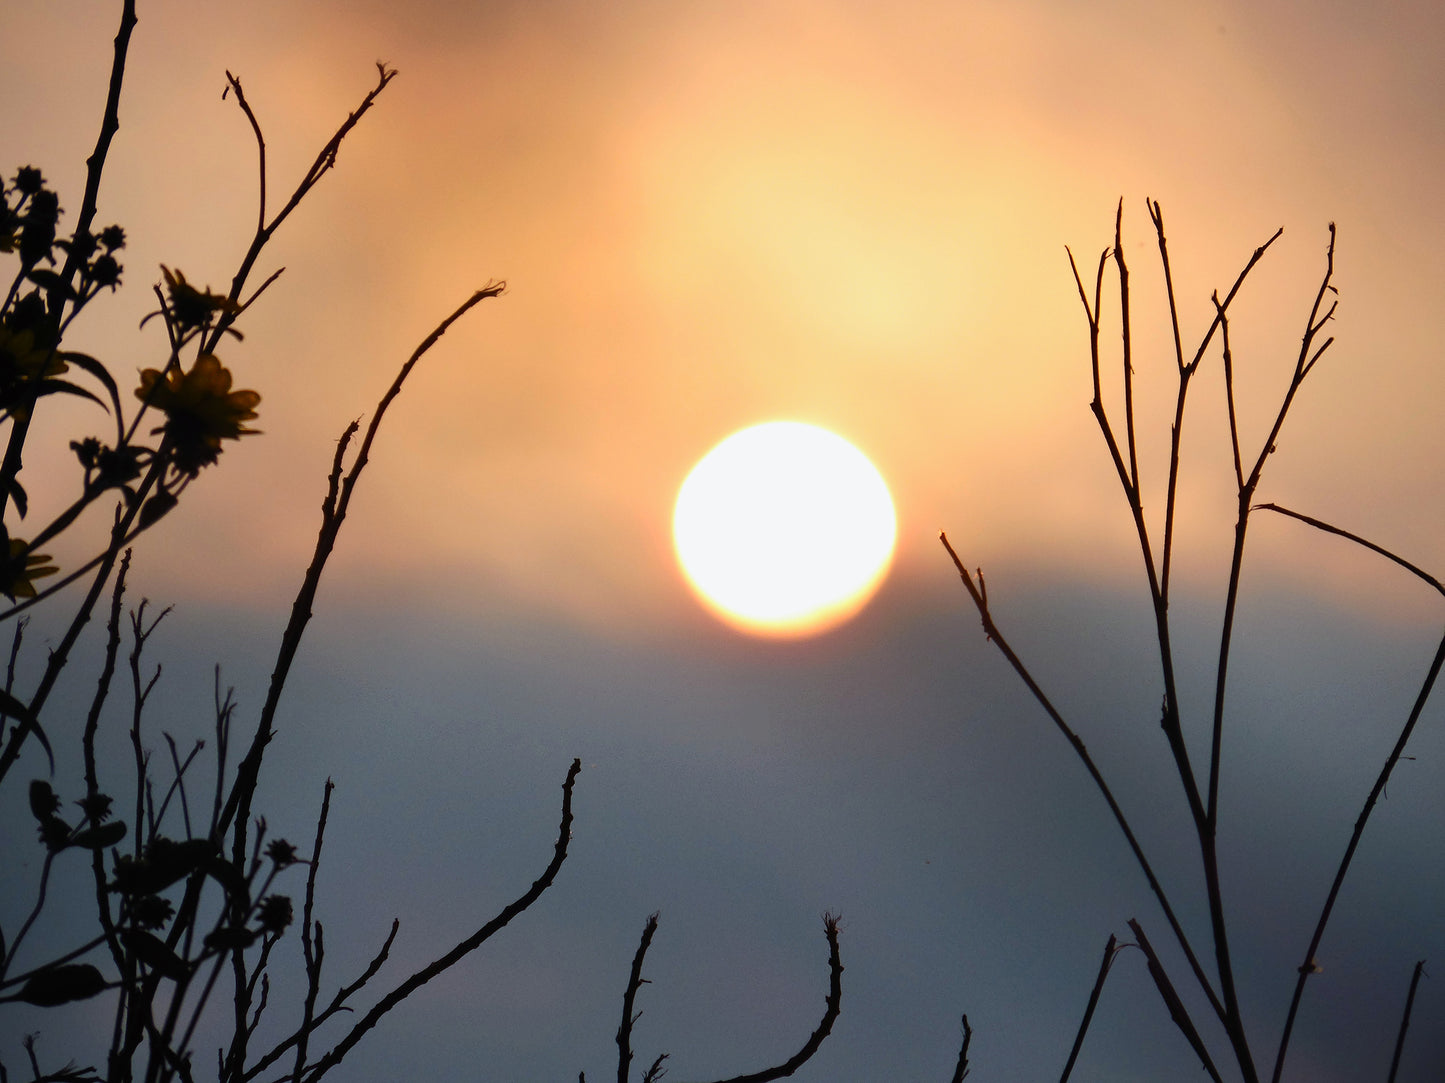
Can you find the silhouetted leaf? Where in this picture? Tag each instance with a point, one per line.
(98, 838)
(40, 388)
(96, 369)
(11, 706)
(165, 862)
(79, 981)
(152, 951)
(55, 833)
(52, 283)
(155, 507)
(228, 938)
(44, 803)
(17, 494)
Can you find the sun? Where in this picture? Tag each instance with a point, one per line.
(784, 529)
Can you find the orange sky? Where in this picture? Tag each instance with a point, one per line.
(712, 215)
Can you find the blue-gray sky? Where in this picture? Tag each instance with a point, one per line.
(854, 215)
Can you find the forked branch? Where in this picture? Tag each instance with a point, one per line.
(990, 629)
(815, 1040)
(1308, 966)
(466, 947)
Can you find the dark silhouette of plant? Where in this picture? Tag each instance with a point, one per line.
(1218, 986)
(191, 893)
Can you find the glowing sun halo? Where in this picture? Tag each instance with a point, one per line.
(784, 529)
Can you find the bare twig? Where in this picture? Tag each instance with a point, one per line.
(333, 514)
(466, 947)
(629, 1000)
(338, 1004)
(1319, 524)
(960, 1070)
(1308, 966)
(324, 161)
(1177, 1011)
(825, 1026)
(1308, 355)
(990, 630)
(1405, 1020)
(1110, 950)
(313, 953)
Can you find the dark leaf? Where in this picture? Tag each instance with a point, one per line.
(44, 802)
(17, 494)
(11, 706)
(52, 283)
(152, 951)
(79, 981)
(98, 838)
(231, 879)
(55, 833)
(96, 369)
(164, 863)
(156, 507)
(228, 938)
(41, 388)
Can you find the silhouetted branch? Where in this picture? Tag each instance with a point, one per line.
(960, 1070)
(1177, 1011)
(312, 953)
(1327, 528)
(1110, 950)
(470, 944)
(325, 160)
(1405, 1020)
(333, 514)
(338, 1004)
(629, 999)
(991, 631)
(825, 1026)
(1308, 966)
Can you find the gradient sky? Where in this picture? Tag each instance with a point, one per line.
(852, 214)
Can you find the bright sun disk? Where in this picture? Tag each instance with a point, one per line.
(784, 529)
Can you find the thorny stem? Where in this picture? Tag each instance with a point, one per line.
(338, 1004)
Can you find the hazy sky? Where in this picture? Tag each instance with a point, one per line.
(853, 214)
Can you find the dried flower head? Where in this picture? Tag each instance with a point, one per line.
(274, 914)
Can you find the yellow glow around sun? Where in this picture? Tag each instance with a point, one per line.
(784, 529)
